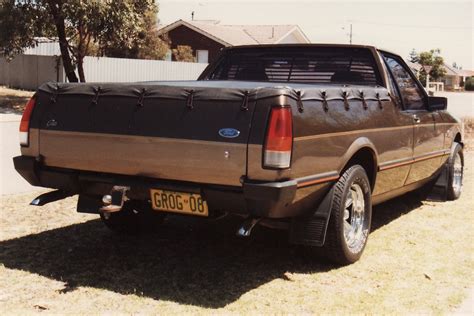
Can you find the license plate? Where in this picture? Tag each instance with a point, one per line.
(178, 202)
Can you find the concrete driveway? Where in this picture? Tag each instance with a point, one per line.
(10, 181)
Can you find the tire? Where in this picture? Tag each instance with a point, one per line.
(455, 172)
(348, 228)
(134, 218)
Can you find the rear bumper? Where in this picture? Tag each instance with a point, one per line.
(271, 200)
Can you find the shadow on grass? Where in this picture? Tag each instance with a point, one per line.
(389, 211)
(189, 261)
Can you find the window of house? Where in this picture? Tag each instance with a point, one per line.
(202, 56)
(413, 98)
(168, 56)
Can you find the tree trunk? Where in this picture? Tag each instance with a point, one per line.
(80, 68)
(63, 44)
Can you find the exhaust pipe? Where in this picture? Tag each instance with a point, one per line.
(114, 201)
(246, 228)
(49, 197)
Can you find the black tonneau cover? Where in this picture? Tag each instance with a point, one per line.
(218, 90)
(166, 130)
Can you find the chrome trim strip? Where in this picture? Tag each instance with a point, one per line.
(408, 161)
(369, 130)
(317, 179)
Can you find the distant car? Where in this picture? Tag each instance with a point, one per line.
(306, 135)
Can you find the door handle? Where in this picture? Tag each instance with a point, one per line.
(416, 119)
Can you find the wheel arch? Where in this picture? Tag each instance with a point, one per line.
(458, 139)
(363, 152)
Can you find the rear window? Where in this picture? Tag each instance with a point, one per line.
(298, 65)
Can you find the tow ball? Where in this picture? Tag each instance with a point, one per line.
(114, 201)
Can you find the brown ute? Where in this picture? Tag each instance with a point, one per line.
(306, 135)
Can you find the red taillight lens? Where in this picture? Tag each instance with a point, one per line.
(279, 139)
(25, 122)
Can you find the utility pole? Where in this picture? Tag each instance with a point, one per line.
(192, 16)
(350, 36)
(350, 33)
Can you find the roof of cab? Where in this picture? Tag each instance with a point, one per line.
(301, 45)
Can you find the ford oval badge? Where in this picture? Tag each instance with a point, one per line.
(229, 132)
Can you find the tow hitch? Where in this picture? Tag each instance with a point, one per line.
(114, 202)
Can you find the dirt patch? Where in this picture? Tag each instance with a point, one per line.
(13, 101)
(419, 260)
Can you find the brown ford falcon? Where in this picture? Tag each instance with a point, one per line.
(310, 136)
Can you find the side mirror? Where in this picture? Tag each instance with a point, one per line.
(437, 103)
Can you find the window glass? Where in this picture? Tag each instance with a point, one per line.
(410, 92)
(394, 91)
(168, 55)
(312, 65)
(202, 56)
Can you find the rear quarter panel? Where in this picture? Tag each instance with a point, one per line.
(324, 140)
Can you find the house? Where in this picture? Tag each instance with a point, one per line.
(464, 75)
(455, 78)
(207, 38)
(452, 78)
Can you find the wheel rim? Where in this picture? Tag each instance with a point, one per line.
(457, 173)
(355, 221)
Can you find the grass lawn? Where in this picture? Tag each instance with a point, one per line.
(419, 259)
(13, 101)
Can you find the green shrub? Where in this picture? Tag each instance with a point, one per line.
(469, 84)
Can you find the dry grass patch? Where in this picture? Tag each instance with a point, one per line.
(419, 260)
(468, 123)
(13, 101)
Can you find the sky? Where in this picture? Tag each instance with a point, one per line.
(398, 26)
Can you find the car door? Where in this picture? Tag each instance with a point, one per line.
(428, 138)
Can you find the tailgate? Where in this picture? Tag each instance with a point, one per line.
(166, 132)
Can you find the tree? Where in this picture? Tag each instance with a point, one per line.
(146, 45)
(413, 57)
(184, 53)
(80, 26)
(16, 29)
(432, 58)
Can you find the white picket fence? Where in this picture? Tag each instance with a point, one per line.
(30, 71)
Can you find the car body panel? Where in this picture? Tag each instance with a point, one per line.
(166, 134)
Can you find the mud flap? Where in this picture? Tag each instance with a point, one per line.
(311, 230)
(439, 191)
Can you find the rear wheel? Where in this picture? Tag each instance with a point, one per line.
(455, 172)
(134, 218)
(350, 219)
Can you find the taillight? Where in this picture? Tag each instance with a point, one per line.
(279, 139)
(25, 122)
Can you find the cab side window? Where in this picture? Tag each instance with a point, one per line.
(395, 94)
(413, 98)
